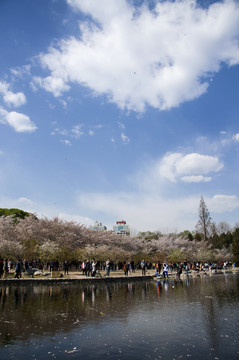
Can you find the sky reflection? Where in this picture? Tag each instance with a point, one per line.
(165, 319)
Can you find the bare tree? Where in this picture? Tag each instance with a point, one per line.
(204, 224)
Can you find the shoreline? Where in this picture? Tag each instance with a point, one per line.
(115, 276)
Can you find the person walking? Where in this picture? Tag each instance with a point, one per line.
(165, 270)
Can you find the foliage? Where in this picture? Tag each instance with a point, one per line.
(235, 246)
(149, 235)
(187, 234)
(176, 255)
(30, 249)
(14, 213)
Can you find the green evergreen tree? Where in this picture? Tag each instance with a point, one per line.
(15, 213)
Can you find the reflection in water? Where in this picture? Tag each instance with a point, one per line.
(169, 319)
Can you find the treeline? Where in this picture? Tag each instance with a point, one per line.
(24, 236)
(222, 236)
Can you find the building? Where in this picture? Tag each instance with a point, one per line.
(121, 228)
(98, 226)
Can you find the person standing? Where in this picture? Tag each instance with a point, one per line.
(25, 265)
(66, 268)
(5, 268)
(143, 267)
(107, 267)
(93, 265)
(88, 268)
(125, 269)
(83, 267)
(18, 270)
(1, 268)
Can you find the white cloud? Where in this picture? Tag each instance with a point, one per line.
(236, 137)
(76, 131)
(19, 122)
(21, 71)
(121, 125)
(190, 167)
(53, 84)
(125, 138)
(66, 142)
(196, 178)
(25, 201)
(10, 98)
(91, 132)
(222, 203)
(3, 87)
(198, 164)
(15, 99)
(137, 56)
(76, 218)
(150, 207)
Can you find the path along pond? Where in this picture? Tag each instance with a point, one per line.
(194, 318)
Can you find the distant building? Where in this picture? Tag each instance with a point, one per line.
(121, 228)
(98, 226)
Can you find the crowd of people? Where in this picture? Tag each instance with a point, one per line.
(94, 268)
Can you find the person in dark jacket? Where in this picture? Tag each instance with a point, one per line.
(1, 268)
(18, 270)
(66, 268)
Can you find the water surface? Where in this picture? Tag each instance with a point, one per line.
(169, 319)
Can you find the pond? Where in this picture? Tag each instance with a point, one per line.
(194, 318)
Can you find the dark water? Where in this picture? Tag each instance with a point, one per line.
(195, 318)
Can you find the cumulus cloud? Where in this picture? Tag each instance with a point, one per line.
(188, 168)
(15, 99)
(150, 207)
(54, 84)
(138, 56)
(18, 121)
(11, 98)
(223, 203)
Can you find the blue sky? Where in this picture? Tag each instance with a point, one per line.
(117, 109)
